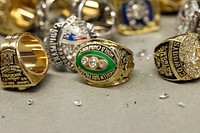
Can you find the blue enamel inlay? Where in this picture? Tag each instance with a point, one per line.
(138, 22)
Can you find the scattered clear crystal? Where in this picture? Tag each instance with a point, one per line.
(30, 101)
(141, 53)
(93, 62)
(126, 105)
(164, 96)
(84, 60)
(151, 75)
(107, 94)
(77, 103)
(102, 64)
(181, 104)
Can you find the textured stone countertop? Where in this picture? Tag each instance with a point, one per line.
(133, 107)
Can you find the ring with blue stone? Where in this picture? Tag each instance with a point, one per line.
(65, 39)
(104, 63)
(137, 16)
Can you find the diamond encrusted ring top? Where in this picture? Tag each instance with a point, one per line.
(190, 55)
(138, 13)
(189, 17)
(65, 40)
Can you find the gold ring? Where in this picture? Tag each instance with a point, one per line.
(170, 6)
(104, 63)
(23, 61)
(137, 16)
(16, 16)
(178, 58)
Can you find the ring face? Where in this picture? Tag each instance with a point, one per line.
(138, 13)
(178, 58)
(23, 61)
(100, 13)
(189, 17)
(104, 63)
(137, 16)
(65, 38)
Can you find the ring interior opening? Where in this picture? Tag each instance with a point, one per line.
(23, 12)
(59, 11)
(32, 54)
(100, 14)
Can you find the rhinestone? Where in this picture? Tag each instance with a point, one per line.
(93, 62)
(77, 103)
(181, 104)
(164, 96)
(30, 101)
(102, 64)
(84, 60)
(141, 53)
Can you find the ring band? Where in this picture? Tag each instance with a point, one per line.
(65, 38)
(178, 58)
(50, 12)
(170, 6)
(104, 63)
(23, 61)
(16, 16)
(98, 12)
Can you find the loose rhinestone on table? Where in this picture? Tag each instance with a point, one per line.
(77, 103)
(164, 96)
(30, 101)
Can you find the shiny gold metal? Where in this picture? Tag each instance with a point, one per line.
(171, 6)
(104, 63)
(137, 16)
(178, 58)
(23, 61)
(16, 16)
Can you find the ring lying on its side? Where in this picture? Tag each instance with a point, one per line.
(23, 61)
(65, 39)
(178, 58)
(100, 13)
(50, 12)
(189, 17)
(16, 16)
(104, 63)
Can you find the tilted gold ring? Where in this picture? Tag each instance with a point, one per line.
(16, 16)
(178, 58)
(104, 63)
(23, 61)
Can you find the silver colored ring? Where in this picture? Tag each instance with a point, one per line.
(65, 38)
(189, 17)
(45, 19)
(103, 28)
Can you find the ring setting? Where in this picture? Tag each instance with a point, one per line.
(104, 63)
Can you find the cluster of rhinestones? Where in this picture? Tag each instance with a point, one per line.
(137, 10)
(94, 62)
(187, 17)
(190, 55)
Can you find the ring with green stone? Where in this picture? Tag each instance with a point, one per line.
(104, 63)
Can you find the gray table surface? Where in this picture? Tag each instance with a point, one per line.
(53, 110)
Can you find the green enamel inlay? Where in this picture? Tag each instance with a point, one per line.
(110, 67)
